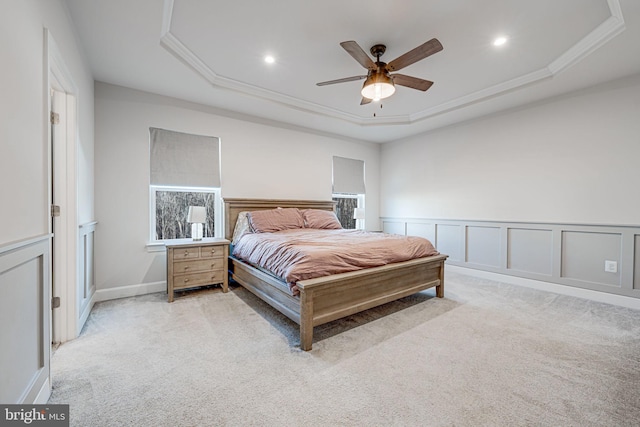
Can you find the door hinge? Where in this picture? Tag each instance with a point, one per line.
(55, 118)
(55, 210)
(55, 302)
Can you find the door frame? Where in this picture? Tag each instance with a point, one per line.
(65, 241)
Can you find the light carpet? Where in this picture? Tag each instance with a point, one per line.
(488, 354)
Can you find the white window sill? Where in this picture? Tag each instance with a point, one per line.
(156, 247)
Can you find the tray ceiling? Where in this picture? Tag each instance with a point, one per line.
(212, 53)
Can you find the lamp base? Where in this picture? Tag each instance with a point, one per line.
(196, 231)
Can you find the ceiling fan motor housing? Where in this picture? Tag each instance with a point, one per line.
(378, 50)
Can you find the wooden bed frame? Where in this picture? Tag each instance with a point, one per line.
(332, 297)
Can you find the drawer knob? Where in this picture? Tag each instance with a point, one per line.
(186, 280)
(186, 253)
(186, 268)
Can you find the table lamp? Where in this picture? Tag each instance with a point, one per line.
(197, 216)
(358, 215)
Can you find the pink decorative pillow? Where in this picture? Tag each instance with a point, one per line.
(271, 220)
(316, 218)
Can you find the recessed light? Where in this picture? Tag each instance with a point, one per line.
(269, 59)
(500, 41)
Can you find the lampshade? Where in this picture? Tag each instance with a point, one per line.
(197, 214)
(378, 86)
(358, 213)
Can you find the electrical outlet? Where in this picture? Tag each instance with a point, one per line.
(611, 266)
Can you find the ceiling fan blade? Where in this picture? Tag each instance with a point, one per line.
(346, 79)
(365, 101)
(412, 82)
(415, 55)
(359, 55)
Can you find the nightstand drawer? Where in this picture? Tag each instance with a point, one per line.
(212, 252)
(198, 279)
(183, 267)
(186, 253)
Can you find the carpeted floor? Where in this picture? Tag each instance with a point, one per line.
(488, 354)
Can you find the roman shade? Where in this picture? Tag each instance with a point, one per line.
(348, 175)
(184, 160)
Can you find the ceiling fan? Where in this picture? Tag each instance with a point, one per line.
(379, 82)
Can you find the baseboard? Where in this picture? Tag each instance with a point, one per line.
(129, 291)
(43, 395)
(619, 300)
(85, 314)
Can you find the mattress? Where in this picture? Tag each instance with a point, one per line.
(299, 254)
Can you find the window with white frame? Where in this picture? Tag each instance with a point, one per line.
(185, 171)
(170, 207)
(349, 191)
(346, 205)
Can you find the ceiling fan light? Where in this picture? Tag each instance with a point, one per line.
(378, 87)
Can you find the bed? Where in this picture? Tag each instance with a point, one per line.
(324, 299)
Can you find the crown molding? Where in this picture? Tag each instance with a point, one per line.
(170, 42)
(604, 32)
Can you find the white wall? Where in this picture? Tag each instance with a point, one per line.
(23, 133)
(572, 159)
(258, 161)
(24, 173)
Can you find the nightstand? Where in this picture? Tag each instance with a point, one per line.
(193, 263)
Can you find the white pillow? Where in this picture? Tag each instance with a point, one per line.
(242, 227)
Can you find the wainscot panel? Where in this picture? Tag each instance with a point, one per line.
(636, 258)
(530, 250)
(394, 227)
(86, 264)
(25, 309)
(602, 258)
(584, 255)
(483, 246)
(449, 241)
(428, 231)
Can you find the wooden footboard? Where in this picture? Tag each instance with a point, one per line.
(329, 298)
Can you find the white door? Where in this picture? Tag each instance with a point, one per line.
(58, 250)
(64, 175)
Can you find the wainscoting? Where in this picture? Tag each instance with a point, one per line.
(25, 307)
(86, 273)
(565, 254)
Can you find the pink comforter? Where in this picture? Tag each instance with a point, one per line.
(300, 254)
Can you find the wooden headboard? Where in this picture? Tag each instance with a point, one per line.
(232, 207)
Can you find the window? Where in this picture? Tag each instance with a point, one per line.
(348, 190)
(171, 206)
(345, 206)
(185, 171)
